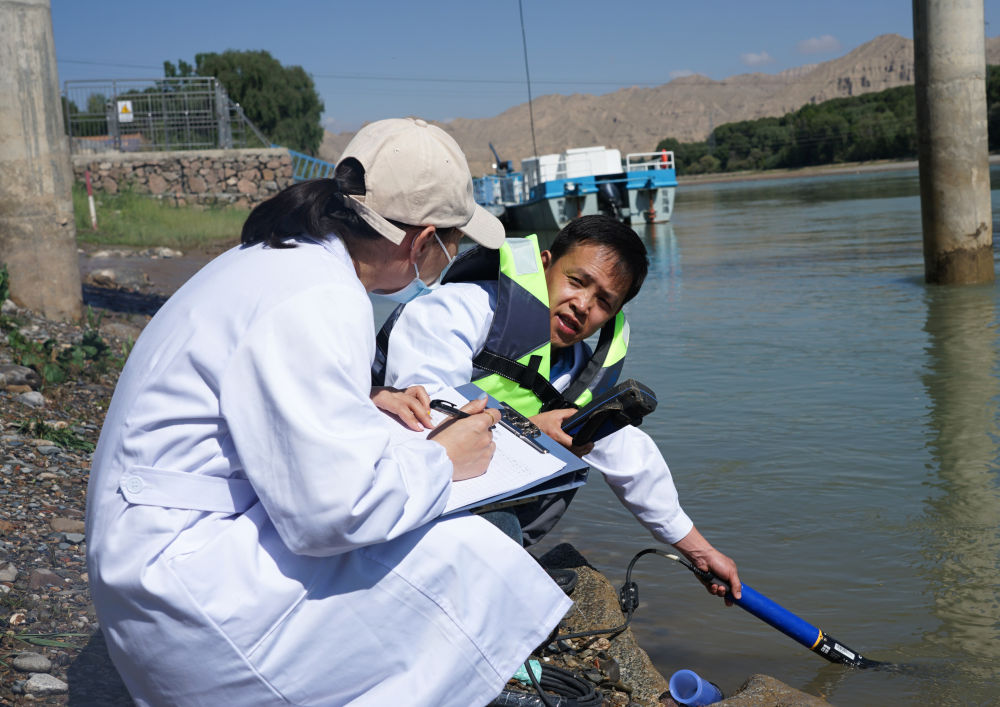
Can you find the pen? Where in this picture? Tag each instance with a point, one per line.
(448, 408)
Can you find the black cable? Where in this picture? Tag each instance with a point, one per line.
(534, 681)
(563, 682)
(628, 600)
(570, 691)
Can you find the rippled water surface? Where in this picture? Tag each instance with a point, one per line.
(831, 423)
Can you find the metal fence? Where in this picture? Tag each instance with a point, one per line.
(132, 115)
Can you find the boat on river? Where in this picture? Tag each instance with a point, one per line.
(550, 190)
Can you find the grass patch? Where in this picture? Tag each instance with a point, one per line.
(49, 639)
(65, 438)
(140, 221)
(55, 362)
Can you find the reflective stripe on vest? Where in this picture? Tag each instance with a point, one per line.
(520, 331)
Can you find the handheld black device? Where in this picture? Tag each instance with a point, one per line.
(625, 404)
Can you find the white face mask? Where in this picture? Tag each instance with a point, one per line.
(416, 286)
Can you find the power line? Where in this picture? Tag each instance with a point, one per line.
(730, 81)
(103, 63)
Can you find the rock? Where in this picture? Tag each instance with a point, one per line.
(765, 691)
(32, 663)
(13, 374)
(596, 606)
(42, 578)
(157, 184)
(44, 684)
(33, 399)
(105, 277)
(48, 449)
(120, 330)
(67, 525)
(75, 538)
(8, 572)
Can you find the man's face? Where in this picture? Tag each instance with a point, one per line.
(585, 291)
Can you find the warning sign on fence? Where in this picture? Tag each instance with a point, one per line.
(124, 111)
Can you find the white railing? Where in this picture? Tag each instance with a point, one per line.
(643, 161)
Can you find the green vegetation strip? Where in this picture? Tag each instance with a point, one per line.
(142, 221)
(47, 639)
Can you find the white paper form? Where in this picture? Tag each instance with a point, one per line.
(515, 465)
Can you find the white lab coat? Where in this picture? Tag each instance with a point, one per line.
(433, 343)
(257, 534)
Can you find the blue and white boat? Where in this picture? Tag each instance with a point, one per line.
(551, 190)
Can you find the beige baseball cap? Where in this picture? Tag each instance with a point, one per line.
(415, 173)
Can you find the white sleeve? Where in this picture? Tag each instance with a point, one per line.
(321, 457)
(436, 337)
(638, 474)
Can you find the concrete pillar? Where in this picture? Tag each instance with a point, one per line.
(950, 67)
(37, 232)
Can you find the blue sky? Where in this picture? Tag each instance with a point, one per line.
(445, 59)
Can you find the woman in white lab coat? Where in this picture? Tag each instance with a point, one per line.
(256, 532)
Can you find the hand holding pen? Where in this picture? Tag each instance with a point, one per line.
(450, 409)
(467, 437)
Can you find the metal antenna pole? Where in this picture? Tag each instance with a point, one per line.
(531, 113)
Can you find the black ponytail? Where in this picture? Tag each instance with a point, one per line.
(315, 208)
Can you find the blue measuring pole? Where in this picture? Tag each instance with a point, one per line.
(773, 614)
(778, 616)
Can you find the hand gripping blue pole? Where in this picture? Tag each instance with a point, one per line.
(785, 621)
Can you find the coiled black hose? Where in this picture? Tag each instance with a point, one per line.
(570, 691)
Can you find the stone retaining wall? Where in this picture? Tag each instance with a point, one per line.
(243, 177)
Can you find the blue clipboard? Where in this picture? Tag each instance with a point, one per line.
(572, 475)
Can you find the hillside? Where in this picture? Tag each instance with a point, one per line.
(635, 119)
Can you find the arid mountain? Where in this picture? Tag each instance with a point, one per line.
(636, 119)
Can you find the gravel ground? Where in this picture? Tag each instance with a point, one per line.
(51, 650)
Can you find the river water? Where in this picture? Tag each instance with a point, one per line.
(832, 424)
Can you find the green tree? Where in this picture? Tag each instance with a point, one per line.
(687, 155)
(280, 100)
(871, 126)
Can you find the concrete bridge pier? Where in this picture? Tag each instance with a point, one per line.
(37, 231)
(950, 67)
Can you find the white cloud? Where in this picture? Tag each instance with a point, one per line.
(819, 45)
(681, 73)
(751, 59)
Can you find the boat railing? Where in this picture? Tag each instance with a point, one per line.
(500, 189)
(644, 161)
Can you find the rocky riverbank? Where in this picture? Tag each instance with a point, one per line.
(52, 651)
